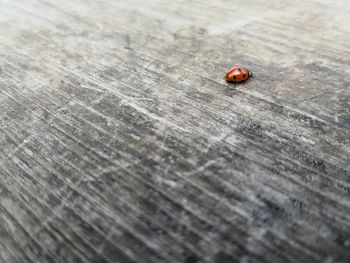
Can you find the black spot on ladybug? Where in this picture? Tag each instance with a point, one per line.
(243, 75)
(239, 69)
(234, 77)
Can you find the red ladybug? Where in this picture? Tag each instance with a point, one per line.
(237, 74)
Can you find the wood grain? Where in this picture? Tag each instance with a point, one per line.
(121, 142)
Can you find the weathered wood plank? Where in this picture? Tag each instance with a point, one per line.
(121, 142)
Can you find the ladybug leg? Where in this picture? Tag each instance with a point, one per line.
(250, 74)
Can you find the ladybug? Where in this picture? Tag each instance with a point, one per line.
(237, 74)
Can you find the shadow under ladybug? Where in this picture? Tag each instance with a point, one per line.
(238, 74)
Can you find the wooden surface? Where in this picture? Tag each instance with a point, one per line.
(121, 142)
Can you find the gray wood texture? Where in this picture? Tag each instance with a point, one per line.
(121, 142)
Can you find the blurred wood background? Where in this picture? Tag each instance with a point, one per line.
(121, 142)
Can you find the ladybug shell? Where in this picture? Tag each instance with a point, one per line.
(237, 74)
